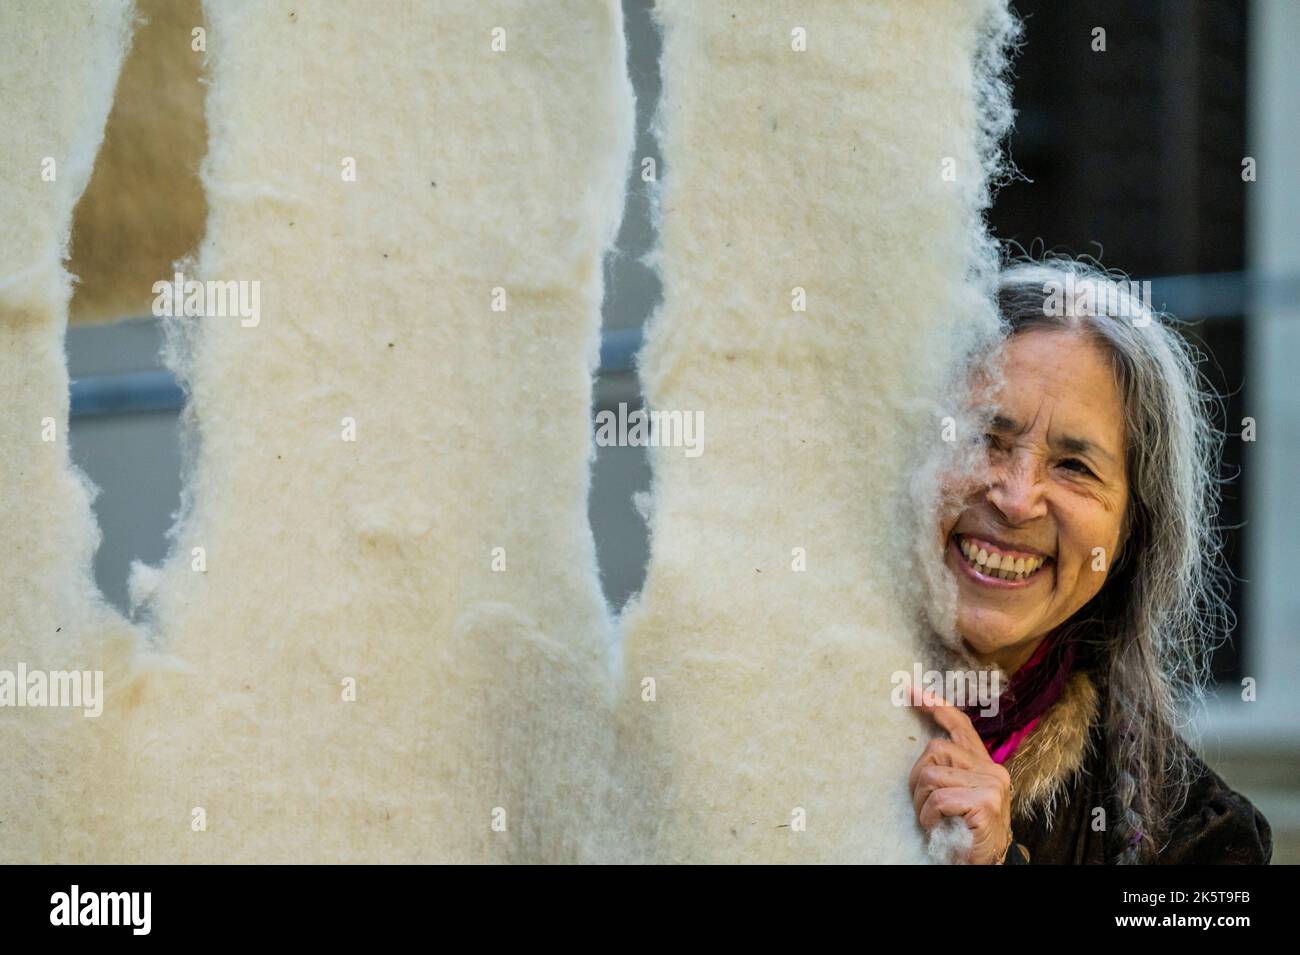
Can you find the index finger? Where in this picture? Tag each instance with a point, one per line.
(950, 718)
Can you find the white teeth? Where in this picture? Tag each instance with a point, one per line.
(999, 565)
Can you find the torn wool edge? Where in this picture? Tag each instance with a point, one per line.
(824, 281)
(380, 631)
(59, 64)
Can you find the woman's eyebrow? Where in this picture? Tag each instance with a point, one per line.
(1070, 444)
(1073, 445)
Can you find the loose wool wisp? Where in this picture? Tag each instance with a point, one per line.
(825, 270)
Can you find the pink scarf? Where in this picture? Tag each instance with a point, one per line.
(1033, 689)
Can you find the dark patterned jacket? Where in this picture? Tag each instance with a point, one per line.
(1058, 779)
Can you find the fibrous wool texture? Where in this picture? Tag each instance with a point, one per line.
(58, 66)
(144, 206)
(379, 635)
(791, 566)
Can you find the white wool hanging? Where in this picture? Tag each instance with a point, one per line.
(390, 480)
(59, 63)
(379, 635)
(825, 268)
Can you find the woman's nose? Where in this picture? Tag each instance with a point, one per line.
(1018, 485)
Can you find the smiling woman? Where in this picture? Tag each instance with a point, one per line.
(1087, 569)
(1033, 549)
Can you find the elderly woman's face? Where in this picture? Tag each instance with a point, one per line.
(1025, 547)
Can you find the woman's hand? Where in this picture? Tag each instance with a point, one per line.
(955, 776)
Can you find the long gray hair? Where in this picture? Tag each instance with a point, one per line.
(1149, 631)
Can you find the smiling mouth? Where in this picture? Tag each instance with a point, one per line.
(993, 564)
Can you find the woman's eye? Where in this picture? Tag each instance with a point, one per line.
(1074, 464)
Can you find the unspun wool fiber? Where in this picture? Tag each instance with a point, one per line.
(379, 634)
(826, 272)
(58, 66)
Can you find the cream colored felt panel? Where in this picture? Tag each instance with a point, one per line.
(822, 171)
(481, 691)
(59, 62)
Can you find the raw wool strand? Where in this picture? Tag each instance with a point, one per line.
(59, 63)
(792, 562)
(374, 642)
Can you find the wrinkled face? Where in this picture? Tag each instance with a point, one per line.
(1036, 538)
